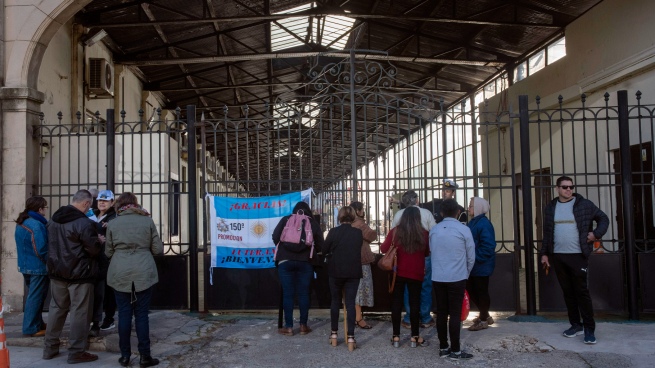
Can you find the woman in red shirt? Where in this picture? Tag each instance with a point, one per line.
(412, 241)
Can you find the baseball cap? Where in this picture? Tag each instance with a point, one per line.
(105, 195)
(450, 184)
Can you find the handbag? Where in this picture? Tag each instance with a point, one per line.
(389, 262)
(466, 306)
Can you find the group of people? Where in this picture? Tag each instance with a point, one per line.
(90, 261)
(441, 248)
(440, 256)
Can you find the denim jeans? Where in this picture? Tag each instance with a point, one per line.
(137, 304)
(346, 289)
(295, 277)
(426, 296)
(37, 289)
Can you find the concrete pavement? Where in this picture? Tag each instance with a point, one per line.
(250, 340)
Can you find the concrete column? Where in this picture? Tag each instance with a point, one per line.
(19, 160)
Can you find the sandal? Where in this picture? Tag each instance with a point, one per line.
(395, 341)
(352, 344)
(414, 342)
(333, 338)
(365, 326)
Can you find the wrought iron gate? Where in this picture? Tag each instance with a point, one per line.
(350, 136)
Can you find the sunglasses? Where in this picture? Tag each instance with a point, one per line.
(565, 187)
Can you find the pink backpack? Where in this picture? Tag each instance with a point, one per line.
(292, 232)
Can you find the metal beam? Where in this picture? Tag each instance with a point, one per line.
(289, 55)
(282, 84)
(275, 17)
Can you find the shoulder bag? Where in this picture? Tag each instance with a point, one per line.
(389, 262)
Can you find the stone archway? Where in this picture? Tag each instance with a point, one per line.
(28, 29)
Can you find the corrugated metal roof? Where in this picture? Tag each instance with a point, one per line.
(214, 53)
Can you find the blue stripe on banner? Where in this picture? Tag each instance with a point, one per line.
(244, 257)
(257, 207)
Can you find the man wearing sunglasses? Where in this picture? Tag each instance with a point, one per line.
(567, 242)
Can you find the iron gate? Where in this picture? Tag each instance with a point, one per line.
(369, 144)
(143, 157)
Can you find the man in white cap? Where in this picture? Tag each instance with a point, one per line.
(448, 192)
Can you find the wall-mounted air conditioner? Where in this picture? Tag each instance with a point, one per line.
(101, 77)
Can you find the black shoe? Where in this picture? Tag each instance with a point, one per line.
(589, 337)
(574, 331)
(107, 324)
(147, 361)
(82, 357)
(124, 361)
(460, 356)
(47, 355)
(444, 352)
(95, 330)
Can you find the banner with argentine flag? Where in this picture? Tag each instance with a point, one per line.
(242, 228)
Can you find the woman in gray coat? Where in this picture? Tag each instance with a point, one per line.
(132, 240)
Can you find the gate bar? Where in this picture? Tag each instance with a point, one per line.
(111, 146)
(628, 217)
(524, 119)
(353, 128)
(515, 220)
(193, 208)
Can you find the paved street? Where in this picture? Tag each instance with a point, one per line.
(251, 340)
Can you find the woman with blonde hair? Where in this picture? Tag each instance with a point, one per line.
(343, 246)
(365, 290)
(132, 241)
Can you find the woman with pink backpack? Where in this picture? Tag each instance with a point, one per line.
(293, 260)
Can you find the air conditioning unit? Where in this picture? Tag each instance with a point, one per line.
(101, 77)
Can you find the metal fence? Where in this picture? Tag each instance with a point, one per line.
(368, 144)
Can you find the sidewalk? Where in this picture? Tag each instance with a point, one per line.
(251, 340)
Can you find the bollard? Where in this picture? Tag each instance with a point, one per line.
(4, 353)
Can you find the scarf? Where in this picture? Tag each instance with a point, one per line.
(37, 216)
(480, 206)
(135, 208)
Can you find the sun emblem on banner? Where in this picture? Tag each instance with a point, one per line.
(221, 225)
(258, 229)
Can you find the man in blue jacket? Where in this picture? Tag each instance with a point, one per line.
(567, 242)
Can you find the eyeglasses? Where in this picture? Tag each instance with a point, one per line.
(565, 187)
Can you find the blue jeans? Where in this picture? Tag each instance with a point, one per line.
(426, 295)
(37, 289)
(137, 304)
(295, 277)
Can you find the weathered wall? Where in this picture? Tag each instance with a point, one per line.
(610, 48)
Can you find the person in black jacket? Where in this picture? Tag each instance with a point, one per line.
(103, 295)
(295, 271)
(343, 244)
(567, 242)
(72, 267)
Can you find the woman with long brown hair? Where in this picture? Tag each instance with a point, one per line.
(32, 250)
(412, 243)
